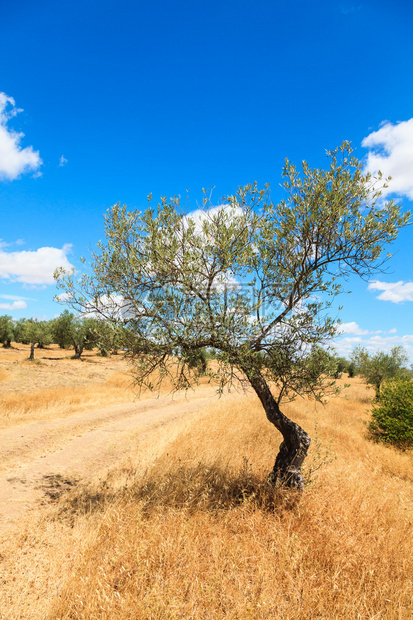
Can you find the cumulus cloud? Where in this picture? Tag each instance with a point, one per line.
(351, 335)
(5, 244)
(16, 305)
(374, 343)
(34, 267)
(14, 160)
(351, 328)
(62, 161)
(395, 292)
(17, 298)
(392, 153)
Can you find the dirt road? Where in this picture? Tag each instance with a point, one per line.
(37, 455)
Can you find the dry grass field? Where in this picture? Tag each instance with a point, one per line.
(56, 385)
(185, 527)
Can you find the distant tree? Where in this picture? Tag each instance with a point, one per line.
(35, 332)
(6, 330)
(83, 335)
(351, 369)
(78, 332)
(108, 338)
(342, 365)
(45, 335)
(379, 367)
(197, 359)
(249, 279)
(61, 328)
(20, 331)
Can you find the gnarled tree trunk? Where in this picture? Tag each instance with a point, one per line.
(294, 448)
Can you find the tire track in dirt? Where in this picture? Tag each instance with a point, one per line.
(78, 447)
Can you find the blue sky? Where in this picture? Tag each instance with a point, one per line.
(106, 102)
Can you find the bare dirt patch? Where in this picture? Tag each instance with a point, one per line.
(77, 447)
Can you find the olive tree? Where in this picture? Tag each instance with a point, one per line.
(249, 279)
(381, 366)
(61, 327)
(6, 330)
(33, 331)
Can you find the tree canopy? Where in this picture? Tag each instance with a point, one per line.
(248, 278)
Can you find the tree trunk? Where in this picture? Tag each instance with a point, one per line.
(294, 448)
(78, 351)
(32, 351)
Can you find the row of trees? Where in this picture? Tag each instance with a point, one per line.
(69, 331)
(392, 415)
(66, 330)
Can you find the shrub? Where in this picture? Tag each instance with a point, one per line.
(351, 370)
(392, 419)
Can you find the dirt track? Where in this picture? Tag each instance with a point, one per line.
(38, 455)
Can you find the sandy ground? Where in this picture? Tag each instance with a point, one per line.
(40, 457)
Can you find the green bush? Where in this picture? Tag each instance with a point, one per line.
(392, 416)
(351, 370)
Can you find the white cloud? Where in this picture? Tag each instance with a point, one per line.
(33, 267)
(111, 306)
(395, 292)
(351, 328)
(17, 298)
(14, 160)
(392, 153)
(5, 244)
(16, 305)
(62, 161)
(374, 343)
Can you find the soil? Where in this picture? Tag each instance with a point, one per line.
(39, 459)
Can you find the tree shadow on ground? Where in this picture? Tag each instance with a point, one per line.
(56, 485)
(191, 488)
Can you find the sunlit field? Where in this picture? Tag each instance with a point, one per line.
(186, 527)
(55, 385)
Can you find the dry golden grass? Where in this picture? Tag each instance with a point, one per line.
(187, 528)
(55, 385)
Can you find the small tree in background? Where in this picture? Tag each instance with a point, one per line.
(341, 365)
(35, 332)
(61, 328)
(392, 416)
(379, 367)
(6, 330)
(69, 330)
(108, 338)
(250, 279)
(83, 335)
(351, 369)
